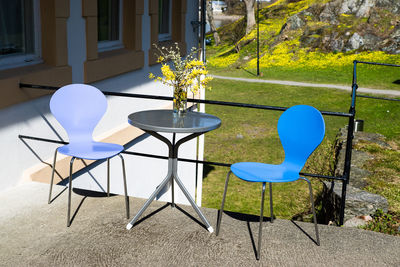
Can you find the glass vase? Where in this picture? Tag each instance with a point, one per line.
(180, 101)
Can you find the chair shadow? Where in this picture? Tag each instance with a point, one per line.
(90, 193)
(59, 194)
(253, 243)
(85, 193)
(304, 232)
(77, 209)
(247, 218)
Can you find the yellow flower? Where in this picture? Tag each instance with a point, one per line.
(167, 72)
(182, 74)
(160, 59)
(194, 63)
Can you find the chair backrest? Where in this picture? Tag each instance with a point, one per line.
(78, 108)
(301, 129)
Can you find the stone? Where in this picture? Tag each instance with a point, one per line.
(329, 13)
(358, 202)
(392, 5)
(371, 41)
(375, 138)
(355, 42)
(360, 8)
(295, 22)
(358, 221)
(358, 174)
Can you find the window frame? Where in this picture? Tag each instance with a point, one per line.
(103, 46)
(166, 36)
(21, 59)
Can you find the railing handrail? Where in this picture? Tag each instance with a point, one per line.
(193, 100)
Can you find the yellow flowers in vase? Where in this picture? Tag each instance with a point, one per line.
(187, 73)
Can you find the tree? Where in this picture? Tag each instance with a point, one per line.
(251, 20)
(210, 18)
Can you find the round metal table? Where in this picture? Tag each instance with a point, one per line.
(193, 123)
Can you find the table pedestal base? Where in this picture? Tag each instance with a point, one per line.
(171, 176)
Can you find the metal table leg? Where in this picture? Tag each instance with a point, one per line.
(153, 195)
(171, 176)
(188, 196)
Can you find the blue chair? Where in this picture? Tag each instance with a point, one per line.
(301, 129)
(79, 108)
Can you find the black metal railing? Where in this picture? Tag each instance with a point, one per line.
(345, 178)
(351, 114)
(376, 64)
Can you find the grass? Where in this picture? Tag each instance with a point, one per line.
(377, 77)
(301, 54)
(385, 181)
(385, 168)
(250, 135)
(384, 223)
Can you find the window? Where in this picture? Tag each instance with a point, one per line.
(123, 55)
(19, 33)
(167, 23)
(164, 20)
(109, 23)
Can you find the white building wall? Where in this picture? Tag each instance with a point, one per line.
(34, 118)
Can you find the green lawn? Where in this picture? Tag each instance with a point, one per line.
(250, 135)
(377, 77)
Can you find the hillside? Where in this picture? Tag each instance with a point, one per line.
(314, 33)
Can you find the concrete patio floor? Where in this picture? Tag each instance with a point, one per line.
(34, 233)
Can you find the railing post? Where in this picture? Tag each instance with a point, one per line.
(349, 144)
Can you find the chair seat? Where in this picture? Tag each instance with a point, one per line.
(261, 172)
(91, 150)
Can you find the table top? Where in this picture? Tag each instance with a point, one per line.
(168, 122)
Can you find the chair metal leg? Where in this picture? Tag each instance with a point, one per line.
(108, 177)
(221, 211)
(261, 220)
(313, 209)
(52, 174)
(70, 191)
(125, 187)
(271, 207)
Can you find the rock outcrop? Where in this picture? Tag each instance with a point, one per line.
(359, 203)
(349, 25)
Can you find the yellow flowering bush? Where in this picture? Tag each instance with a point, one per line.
(182, 73)
(285, 50)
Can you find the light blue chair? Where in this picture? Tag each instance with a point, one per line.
(301, 129)
(79, 108)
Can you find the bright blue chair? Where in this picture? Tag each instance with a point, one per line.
(301, 129)
(79, 108)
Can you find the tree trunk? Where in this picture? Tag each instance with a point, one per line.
(251, 20)
(210, 18)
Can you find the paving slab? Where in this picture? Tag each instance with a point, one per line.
(34, 233)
